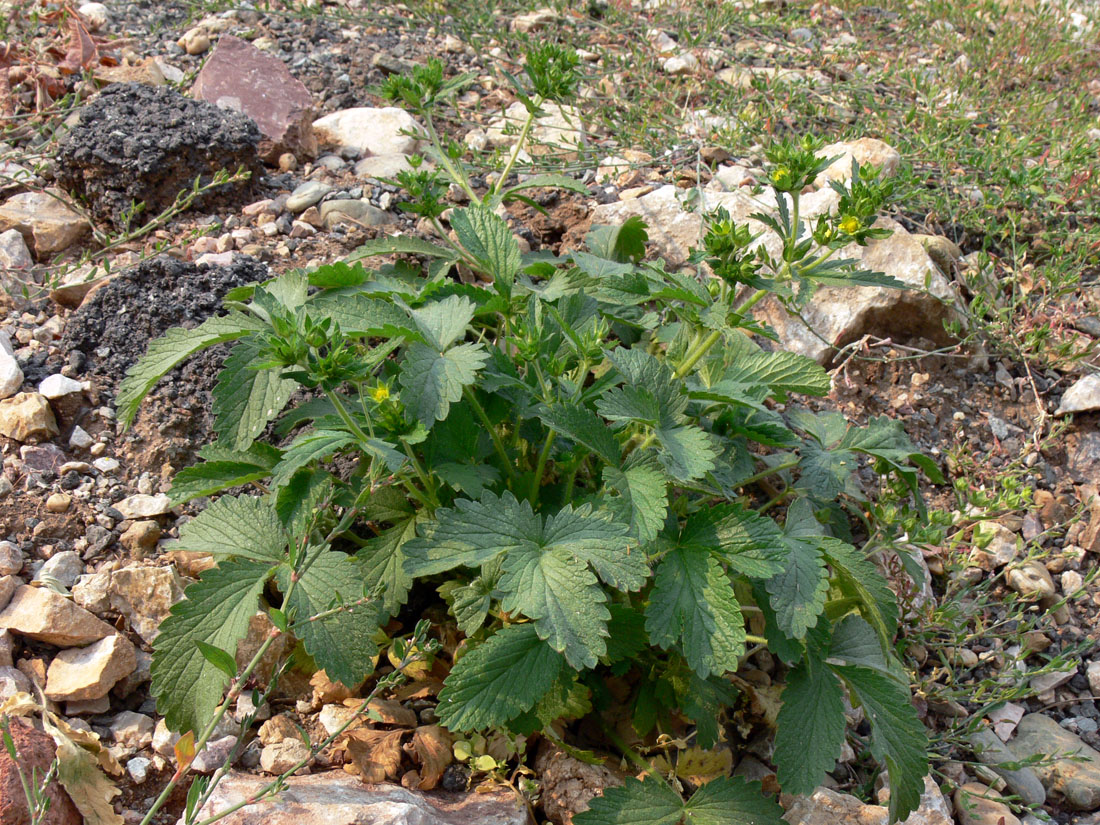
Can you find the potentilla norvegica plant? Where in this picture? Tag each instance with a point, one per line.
(589, 457)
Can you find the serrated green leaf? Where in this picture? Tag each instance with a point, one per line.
(498, 680)
(627, 633)
(543, 181)
(361, 314)
(471, 603)
(781, 372)
(241, 526)
(630, 404)
(443, 322)
(692, 604)
(748, 542)
(634, 803)
(316, 445)
(297, 500)
(175, 346)
(855, 642)
(730, 800)
(211, 477)
(401, 245)
(383, 560)
(898, 739)
(487, 237)
(246, 399)
(625, 242)
(688, 452)
(337, 274)
(562, 596)
(216, 610)
(578, 423)
(594, 537)
(642, 486)
(810, 726)
(432, 381)
(798, 593)
(341, 643)
(825, 473)
(860, 576)
(470, 479)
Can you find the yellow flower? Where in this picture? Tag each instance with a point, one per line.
(851, 225)
(380, 393)
(781, 176)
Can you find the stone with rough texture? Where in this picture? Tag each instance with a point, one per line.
(44, 221)
(49, 617)
(138, 143)
(305, 195)
(83, 673)
(144, 595)
(36, 752)
(144, 506)
(978, 805)
(214, 755)
(11, 560)
(58, 386)
(134, 730)
(826, 807)
(559, 132)
(279, 757)
(1076, 783)
(1083, 396)
(64, 568)
(532, 21)
(371, 131)
(866, 151)
(241, 78)
(383, 166)
(339, 799)
(354, 211)
(14, 254)
(991, 751)
(568, 784)
(11, 374)
(13, 681)
(1031, 580)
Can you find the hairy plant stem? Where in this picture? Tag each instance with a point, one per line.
(523, 135)
(498, 445)
(771, 471)
(540, 468)
(632, 755)
(212, 725)
(457, 175)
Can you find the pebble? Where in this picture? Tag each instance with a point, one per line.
(306, 195)
(90, 672)
(59, 502)
(11, 559)
(1031, 580)
(106, 464)
(194, 41)
(11, 375)
(143, 506)
(992, 752)
(1076, 780)
(95, 16)
(214, 755)
(135, 730)
(80, 439)
(64, 567)
(978, 805)
(279, 757)
(1083, 396)
(27, 417)
(138, 768)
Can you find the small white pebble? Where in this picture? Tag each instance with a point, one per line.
(138, 768)
(80, 439)
(58, 386)
(106, 464)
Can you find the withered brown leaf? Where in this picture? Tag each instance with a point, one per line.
(432, 746)
(376, 753)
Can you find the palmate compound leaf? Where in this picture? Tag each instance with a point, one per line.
(810, 726)
(217, 610)
(246, 399)
(243, 526)
(722, 801)
(176, 345)
(692, 604)
(431, 381)
(340, 643)
(546, 566)
(498, 680)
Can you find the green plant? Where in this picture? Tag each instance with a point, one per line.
(580, 454)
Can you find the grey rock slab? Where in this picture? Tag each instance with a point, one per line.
(1075, 780)
(335, 798)
(13, 251)
(11, 374)
(991, 751)
(827, 807)
(383, 166)
(1083, 396)
(357, 211)
(305, 195)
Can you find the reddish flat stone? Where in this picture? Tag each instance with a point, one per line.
(36, 752)
(240, 77)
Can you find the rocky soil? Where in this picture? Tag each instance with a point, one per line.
(86, 566)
